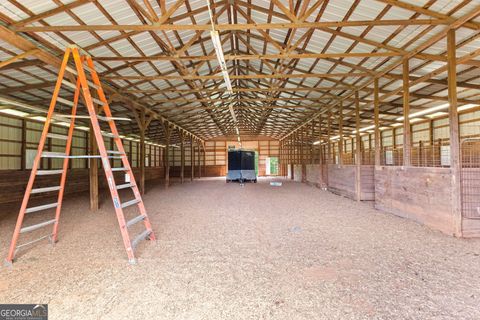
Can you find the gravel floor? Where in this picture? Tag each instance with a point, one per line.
(253, 252)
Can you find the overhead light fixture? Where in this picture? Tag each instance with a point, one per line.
(364, 129)
(217, 45)
(467, 106)
(426, 111)
(14, 112)
(316, 142)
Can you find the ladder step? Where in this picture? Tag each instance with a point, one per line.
(48, 172)
(131, 222)
(57, 136)
(115, 152)
(140, 237)
(48, 154)
(37, 226)
(42, 207)
(113, 118)
(120, 169)
(124, 186)
(130, 203)
(33, 241)
(47, 189)
(110, 135)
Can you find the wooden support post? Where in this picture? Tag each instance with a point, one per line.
(23, 159)
(192, 160)
(142, 128)
(376, 106)
(455, 163)
(143, 124)
(167, 129)
(329, 136)
(407, 135)
(182, 157)
(292, 156)
(93, 171)
(340, 133)
(199, 173)
(204, 160)
(358, 153)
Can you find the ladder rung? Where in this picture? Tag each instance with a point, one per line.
(42, 207)
(33, 241)
(57, 136)
(120, 169)
(37, 226)
(124, 186)
(130, 203)
(113, 118)
(140, 237)
(73, 71)
(48, 172)
(46, 189)
(48, 154)
(110, 135)
(139, 218)
(115, 152)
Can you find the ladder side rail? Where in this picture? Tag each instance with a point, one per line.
(38, 157)
(103, 153)
(65, 163)
(118, 142)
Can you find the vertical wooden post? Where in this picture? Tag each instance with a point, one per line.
(376, 106)
(141, 125)
(358, 154)
(293, 157)
(182, 157)
(407, 136)
(340, 133)
(23, 161)
(329, 136)
(93, 171)
(199, 172)
(204, 160)
(167, 129)
(455, 163)
(192, 160)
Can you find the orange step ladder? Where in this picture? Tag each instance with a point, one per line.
(83, 63)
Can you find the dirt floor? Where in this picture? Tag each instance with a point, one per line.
(253, 252)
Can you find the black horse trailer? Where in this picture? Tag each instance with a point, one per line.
(241, 166)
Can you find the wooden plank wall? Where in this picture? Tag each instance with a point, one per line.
(341, 180)
(420, 194)
(13, 182)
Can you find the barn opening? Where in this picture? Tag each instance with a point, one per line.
(363, 118)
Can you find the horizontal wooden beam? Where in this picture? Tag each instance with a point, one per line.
(240, 26)
(248, 76)
(271, 89)
(254, 56)
(17, 57)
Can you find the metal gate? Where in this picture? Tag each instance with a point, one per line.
(470, 178)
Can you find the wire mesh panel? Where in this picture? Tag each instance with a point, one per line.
(470, 178)
(431, 155)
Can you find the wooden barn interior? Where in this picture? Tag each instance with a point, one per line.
(119, 115)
